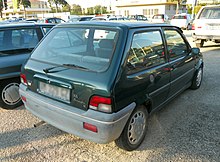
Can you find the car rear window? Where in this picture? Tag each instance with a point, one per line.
(18, 39)
(179, 17)
(89, 48)
(158, 17)
(210, 13)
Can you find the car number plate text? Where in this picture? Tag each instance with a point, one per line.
(54, 91)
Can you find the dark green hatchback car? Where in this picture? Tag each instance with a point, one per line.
(100, 80)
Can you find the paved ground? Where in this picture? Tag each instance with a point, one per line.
(187, 129)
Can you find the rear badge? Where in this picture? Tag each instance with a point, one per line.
(29, 82)
(152, 78)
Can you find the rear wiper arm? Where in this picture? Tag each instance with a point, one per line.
(48, 70)
(75, 66)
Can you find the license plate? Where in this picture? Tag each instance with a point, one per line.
(213, 27)
(54, 91)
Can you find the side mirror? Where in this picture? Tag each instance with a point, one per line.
(195, 51)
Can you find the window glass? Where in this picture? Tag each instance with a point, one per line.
(89, 48)
(175, 44)
(18, 39)
(210, 13)
(46, 29)
(146, 51)
(24, 38)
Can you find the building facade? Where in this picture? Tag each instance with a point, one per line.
(15, 11)
(147, 7)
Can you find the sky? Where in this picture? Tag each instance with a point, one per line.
(89, 3)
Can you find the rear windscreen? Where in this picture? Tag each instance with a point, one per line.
(210, 13)
(179, 17)
(88, 48)
(158, 17)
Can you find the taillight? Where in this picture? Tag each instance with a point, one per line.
(185, 17)
(101, 104)
(46, 21)
(23, 79)
(193, 26)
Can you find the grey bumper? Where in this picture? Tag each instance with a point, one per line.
(71, 119)
(205, 37)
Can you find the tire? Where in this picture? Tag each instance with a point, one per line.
(188, 27)
(134, 131)
(197, 79)
(199, 45)
(9, 93)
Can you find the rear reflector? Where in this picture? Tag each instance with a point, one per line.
(90, 127)
(24, 99)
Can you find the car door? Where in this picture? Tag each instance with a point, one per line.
(147, 75)
(180, 59)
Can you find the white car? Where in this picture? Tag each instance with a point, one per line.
(181, 20)
(160, 18)
(207, 25)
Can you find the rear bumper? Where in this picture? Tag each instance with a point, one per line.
(71, 119)
(205, 37)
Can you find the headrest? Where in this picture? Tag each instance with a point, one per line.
(106, 43)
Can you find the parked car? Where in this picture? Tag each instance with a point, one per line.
(207, 25)
(104, 89)
(32, 20)
(181, 20)
(53, 20)
(137, 17)
(115, 18)
(16, 43)
(80, 18)
(99, 18)
(160, 18)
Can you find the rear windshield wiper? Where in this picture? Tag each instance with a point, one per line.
(48, 70)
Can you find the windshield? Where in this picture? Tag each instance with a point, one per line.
(89, 48)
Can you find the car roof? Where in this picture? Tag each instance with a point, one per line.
(120, 24)
(182, 14)
(210, 6)
(22, 24)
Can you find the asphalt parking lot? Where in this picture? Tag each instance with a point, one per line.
(187, 129)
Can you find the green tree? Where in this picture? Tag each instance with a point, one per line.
(90, 11)
(3, 4)
(76, 10)
(57, 2)
(25, 4)
(98, 9)
(66, 8)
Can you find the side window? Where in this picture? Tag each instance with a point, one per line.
(146, 51)
(175, 44)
